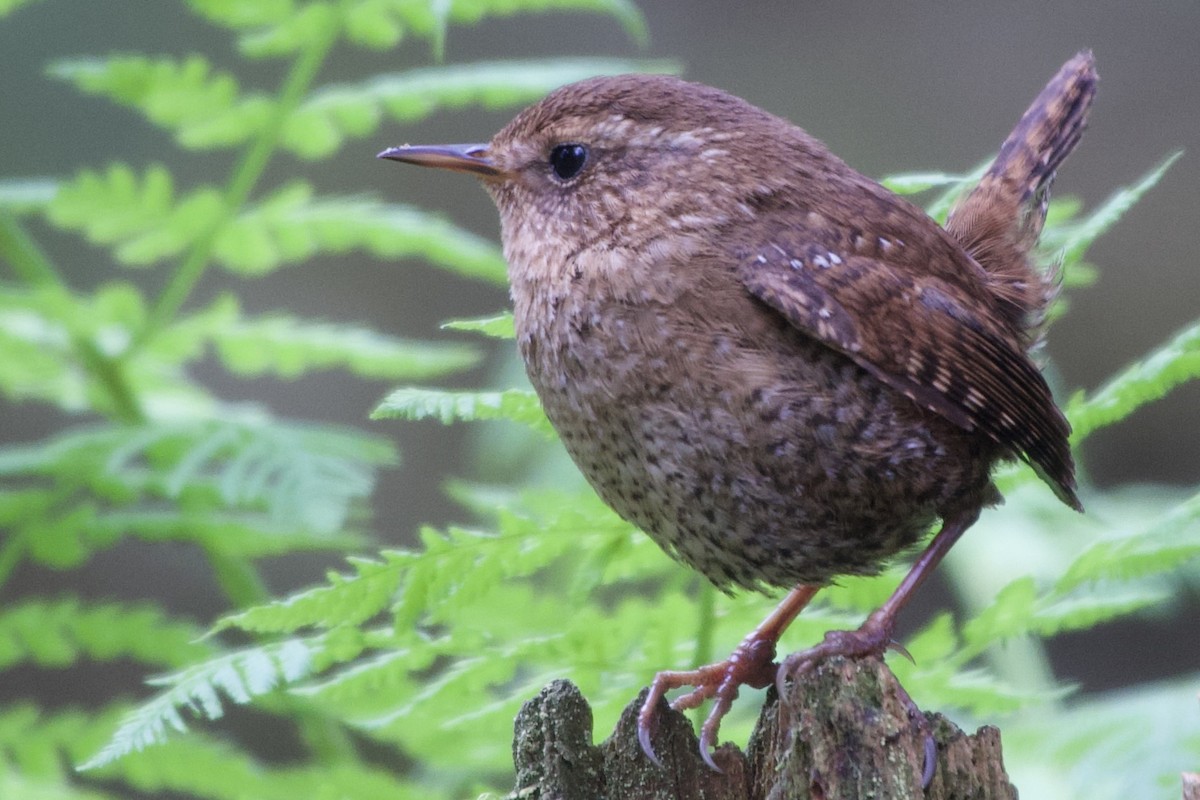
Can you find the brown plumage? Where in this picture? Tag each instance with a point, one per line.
(777, 368)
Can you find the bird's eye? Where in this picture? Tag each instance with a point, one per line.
(567, 159)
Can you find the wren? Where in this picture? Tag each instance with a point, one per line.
(775, 367)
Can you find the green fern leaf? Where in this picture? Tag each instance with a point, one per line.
(60, 632)
(940, 675)
(239, 14)
(188, 337)
(312, 25)
(1020, 610)
(290, 226)
(1132, 742)
(1176, 362)
(289, 347)
(347, 600)
(239, 676)
(499, 326)
(941, 205)
(272, 27)
(1073, 240)
(372, 24)
(918, 182)
(15, 784)
(518, 405)
(139, 215)
(201, 766)
(40, 360)
(203, 108)
(1164, 545)
(336, 112)
(427, 19)
(35, 742)
(266, 481)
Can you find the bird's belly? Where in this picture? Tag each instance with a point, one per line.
(766, 467)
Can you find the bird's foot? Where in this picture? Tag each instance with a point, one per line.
(751, 664)
(873, 639)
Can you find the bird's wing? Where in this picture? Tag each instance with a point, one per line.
(917, 332)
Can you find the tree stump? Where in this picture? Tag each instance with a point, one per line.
(846, 736)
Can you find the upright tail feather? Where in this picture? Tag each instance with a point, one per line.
(998, 223)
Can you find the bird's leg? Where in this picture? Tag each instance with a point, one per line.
(874, 637)
(752, 663)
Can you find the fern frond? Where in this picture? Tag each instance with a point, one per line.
(291, 225)
(1020, 609)
(1109, 746)
(333, 113)
(204, 108)
(497, 327)
(382, 23)
(918, 182)
(39, 360)
(430, 19)
(56, 633)
(939, 208)
(238, 15)
(517, 405)
(204, 767)
(14, 784)
(286, 346)
(347, 599)
(942, 676)
(1073, 239)
(1160, 547)
(44, 330)
(36, 742)
(139, 216)
(1176, 362)
(239, 677)
(306, 478)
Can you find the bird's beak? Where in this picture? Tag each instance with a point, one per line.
(458, 157)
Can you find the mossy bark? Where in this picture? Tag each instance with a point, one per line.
(847, 736)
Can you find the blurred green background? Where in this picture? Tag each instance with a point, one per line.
(890, 88)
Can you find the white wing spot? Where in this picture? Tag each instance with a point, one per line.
(834, 258)
(821, 262)
(796, 263)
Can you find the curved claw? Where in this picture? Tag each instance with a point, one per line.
(647, 746)
(706, 756)
(798, 664)
(751, 663)
(930, 768)
(726, 693)
(657, 690)
(896, 647)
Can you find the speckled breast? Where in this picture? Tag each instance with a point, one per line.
(750, 452)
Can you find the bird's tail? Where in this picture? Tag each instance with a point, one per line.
(998, 223)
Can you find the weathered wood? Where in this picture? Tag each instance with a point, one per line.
(1191, 786)
(847, 737)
